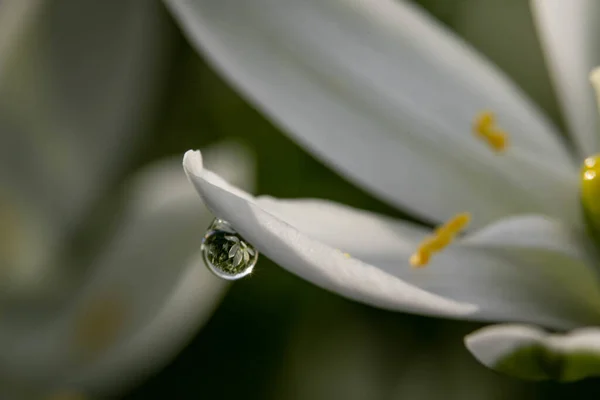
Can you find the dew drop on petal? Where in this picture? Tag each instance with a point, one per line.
(226, 253)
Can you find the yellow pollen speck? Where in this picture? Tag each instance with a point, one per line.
(441, 238)
(485, 128)
(98, 325)
(347, 255)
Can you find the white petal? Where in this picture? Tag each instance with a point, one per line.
(153, 274)
(309, 238)
(570, 34)
(15, 17)
(73, 75)
(530, 353)
(530, 232)
(348, 79)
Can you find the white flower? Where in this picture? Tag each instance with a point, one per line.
(387, 97)
(73, 100)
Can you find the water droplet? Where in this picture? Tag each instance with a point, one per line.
(226, 253)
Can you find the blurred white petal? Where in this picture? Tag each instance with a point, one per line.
(386, 96)
(570, 35)
(150, 275)
(309, 238)
(80, 75)
(74, 75)
(15, 17)
(29, 247)
(530, 353)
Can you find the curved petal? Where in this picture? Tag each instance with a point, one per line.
(530, 353)
(387, 97)
(570, 33)
(309, 238)
(145, 296)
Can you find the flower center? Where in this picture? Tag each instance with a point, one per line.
(486, 129)
(441, 238)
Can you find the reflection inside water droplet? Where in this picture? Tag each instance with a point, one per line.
(226, 253)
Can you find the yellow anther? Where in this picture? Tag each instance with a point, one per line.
(420, 258)
(455, 225)
(435, 243)
(485, 128)
(441, 238)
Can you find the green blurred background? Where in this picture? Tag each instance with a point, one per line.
(278, 337)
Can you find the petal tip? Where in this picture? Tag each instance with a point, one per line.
(192, 162)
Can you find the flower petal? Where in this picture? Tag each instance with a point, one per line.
(309, 238)
(15, 17)
(530, 232)
(387, 97)
(530, 353)
(570, 32)
(144, 297)
(73, 75)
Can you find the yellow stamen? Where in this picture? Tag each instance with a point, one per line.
(485, 128)
(441, 238)
(420, 258)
